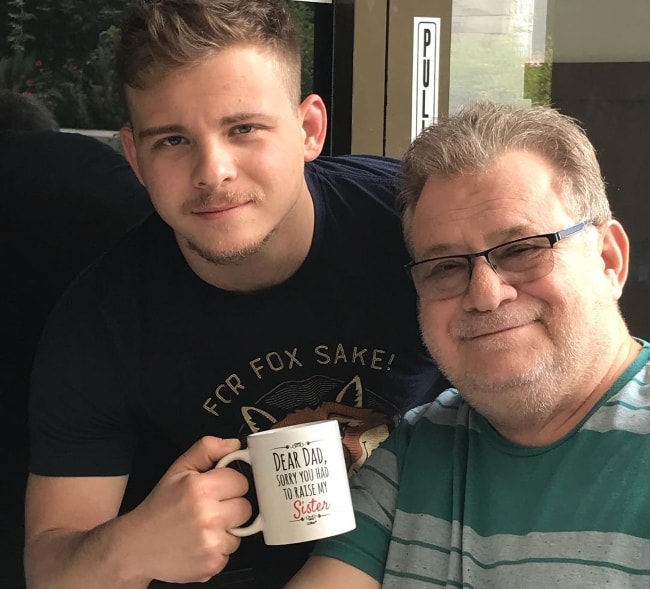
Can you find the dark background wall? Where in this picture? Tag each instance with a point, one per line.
(612, 100)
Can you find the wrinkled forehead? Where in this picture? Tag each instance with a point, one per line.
(519, 195)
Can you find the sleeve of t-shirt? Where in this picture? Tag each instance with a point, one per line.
(374, 495)
(80, 421)
(369, 178)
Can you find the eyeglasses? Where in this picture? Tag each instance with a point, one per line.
(515, 262)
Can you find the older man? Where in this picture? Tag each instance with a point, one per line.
(535, 470)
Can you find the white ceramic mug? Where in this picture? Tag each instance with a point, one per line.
(301, 483)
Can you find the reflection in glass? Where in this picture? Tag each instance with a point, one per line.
(500, 51)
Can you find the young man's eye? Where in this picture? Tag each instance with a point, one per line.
(243, 129)
(172, 141)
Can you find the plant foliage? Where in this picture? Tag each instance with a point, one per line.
(62, 52)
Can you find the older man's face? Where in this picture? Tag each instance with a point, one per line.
(513, 349)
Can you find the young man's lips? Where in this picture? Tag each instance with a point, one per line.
(218, 209)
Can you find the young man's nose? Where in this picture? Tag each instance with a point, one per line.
(214, 164)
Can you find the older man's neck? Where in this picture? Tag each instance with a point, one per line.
(548, 429)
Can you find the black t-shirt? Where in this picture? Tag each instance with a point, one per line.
(141, 357)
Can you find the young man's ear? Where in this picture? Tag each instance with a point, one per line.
(615, 253)
(314, 125)
(128, 146)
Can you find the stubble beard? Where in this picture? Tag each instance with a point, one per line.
(223, 256)
(233, 257)
(532, 396)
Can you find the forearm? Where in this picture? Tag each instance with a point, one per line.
(322, 572)
(100, 558)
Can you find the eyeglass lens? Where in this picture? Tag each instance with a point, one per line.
(515, 263)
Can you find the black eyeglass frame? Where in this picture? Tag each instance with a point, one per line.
(553, 238)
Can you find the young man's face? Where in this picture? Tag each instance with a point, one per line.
(221, 149)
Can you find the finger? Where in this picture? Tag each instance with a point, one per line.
(235, 512)
(203, 455)
(224, 483)
(230, 545)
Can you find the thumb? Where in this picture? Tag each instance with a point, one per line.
(203, 455)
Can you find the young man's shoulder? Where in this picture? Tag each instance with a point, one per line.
(369, 182)
(357, 165)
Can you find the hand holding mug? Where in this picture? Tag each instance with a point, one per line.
(180, 530)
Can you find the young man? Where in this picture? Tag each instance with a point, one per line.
(268, 290)
(533, 471)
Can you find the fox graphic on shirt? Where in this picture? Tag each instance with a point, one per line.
(362, 428)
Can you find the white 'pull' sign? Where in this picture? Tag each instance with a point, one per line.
(426, 67)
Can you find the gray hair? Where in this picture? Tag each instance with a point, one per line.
(470, 140)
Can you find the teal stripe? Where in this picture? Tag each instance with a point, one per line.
(559, 476)
(433, 547)
(627, 405)
(638, 381)
(364, 548)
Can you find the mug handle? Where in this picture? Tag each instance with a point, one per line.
(256, 526)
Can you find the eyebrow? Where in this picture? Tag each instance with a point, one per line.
(498, 237)
(233, 119)
(243, 117)
(161, 130)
